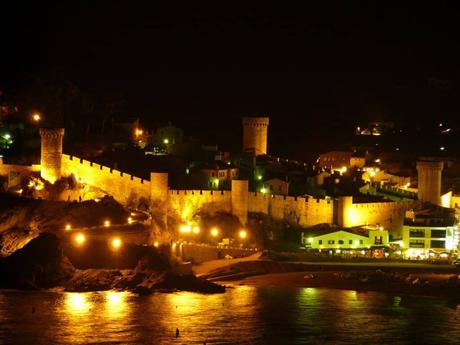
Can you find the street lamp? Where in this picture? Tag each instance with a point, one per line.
(80, 239)
(243, 234)
(116, 243)
(214, 232)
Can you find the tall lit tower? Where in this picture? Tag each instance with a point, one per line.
(51, 153)
(429, 180)
(255, 134)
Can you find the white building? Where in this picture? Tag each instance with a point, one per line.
(430, 233)
(344, 239)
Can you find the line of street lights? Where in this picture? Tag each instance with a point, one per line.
(214, 232)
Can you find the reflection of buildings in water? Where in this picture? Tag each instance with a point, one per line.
(308, 295)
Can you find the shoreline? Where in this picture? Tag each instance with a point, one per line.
(418, 280)
(426, 285)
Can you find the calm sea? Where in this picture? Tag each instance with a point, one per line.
(243, 315)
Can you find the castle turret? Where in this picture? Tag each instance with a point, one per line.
(345, 212)
(255, 134)
(159, 187)
(240, 200)
(159, 204)
(51, 153)
(429, 180)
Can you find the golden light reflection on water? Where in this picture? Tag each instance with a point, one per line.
(200, 316)
(116, 305)
(77, 303)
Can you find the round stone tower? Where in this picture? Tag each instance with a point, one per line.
(159, 206)
(345, 212)
(51, 153)
(429, 180)
(240, 196)
(159, 187)
(255, 134)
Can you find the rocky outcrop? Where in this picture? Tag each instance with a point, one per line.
(39, 264)
(22, 219)
(15, 238)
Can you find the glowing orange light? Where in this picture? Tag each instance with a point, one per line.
(130, 220)
(156, 244)
(214, 232)
(107, 223)
(243, 234)
(68, 227)
(36, 117)
(80, 239)
(196, 230)
(116, 243)
(185, 229)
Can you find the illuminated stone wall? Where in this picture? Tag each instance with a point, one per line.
(23, 170)
(304, 212)
(187, 203)
(51, 153)
(123, 187)
(390, 215)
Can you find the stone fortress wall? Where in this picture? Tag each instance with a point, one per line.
(303, 211)
(23, 170)
(390, 215)
(121, 186)
(300, 211)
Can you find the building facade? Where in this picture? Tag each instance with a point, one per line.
(430, 233)
(345, 239)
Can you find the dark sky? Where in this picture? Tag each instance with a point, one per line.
(308, 68)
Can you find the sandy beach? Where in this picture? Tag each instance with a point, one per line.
(411, 279)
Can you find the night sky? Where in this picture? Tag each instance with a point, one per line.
(315, 70)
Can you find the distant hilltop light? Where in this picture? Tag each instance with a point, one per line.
(36, 117)
(442, 148)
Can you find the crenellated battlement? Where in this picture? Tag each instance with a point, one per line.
(256, 121)
(120, 185)
(255, 134)
(52, 133)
